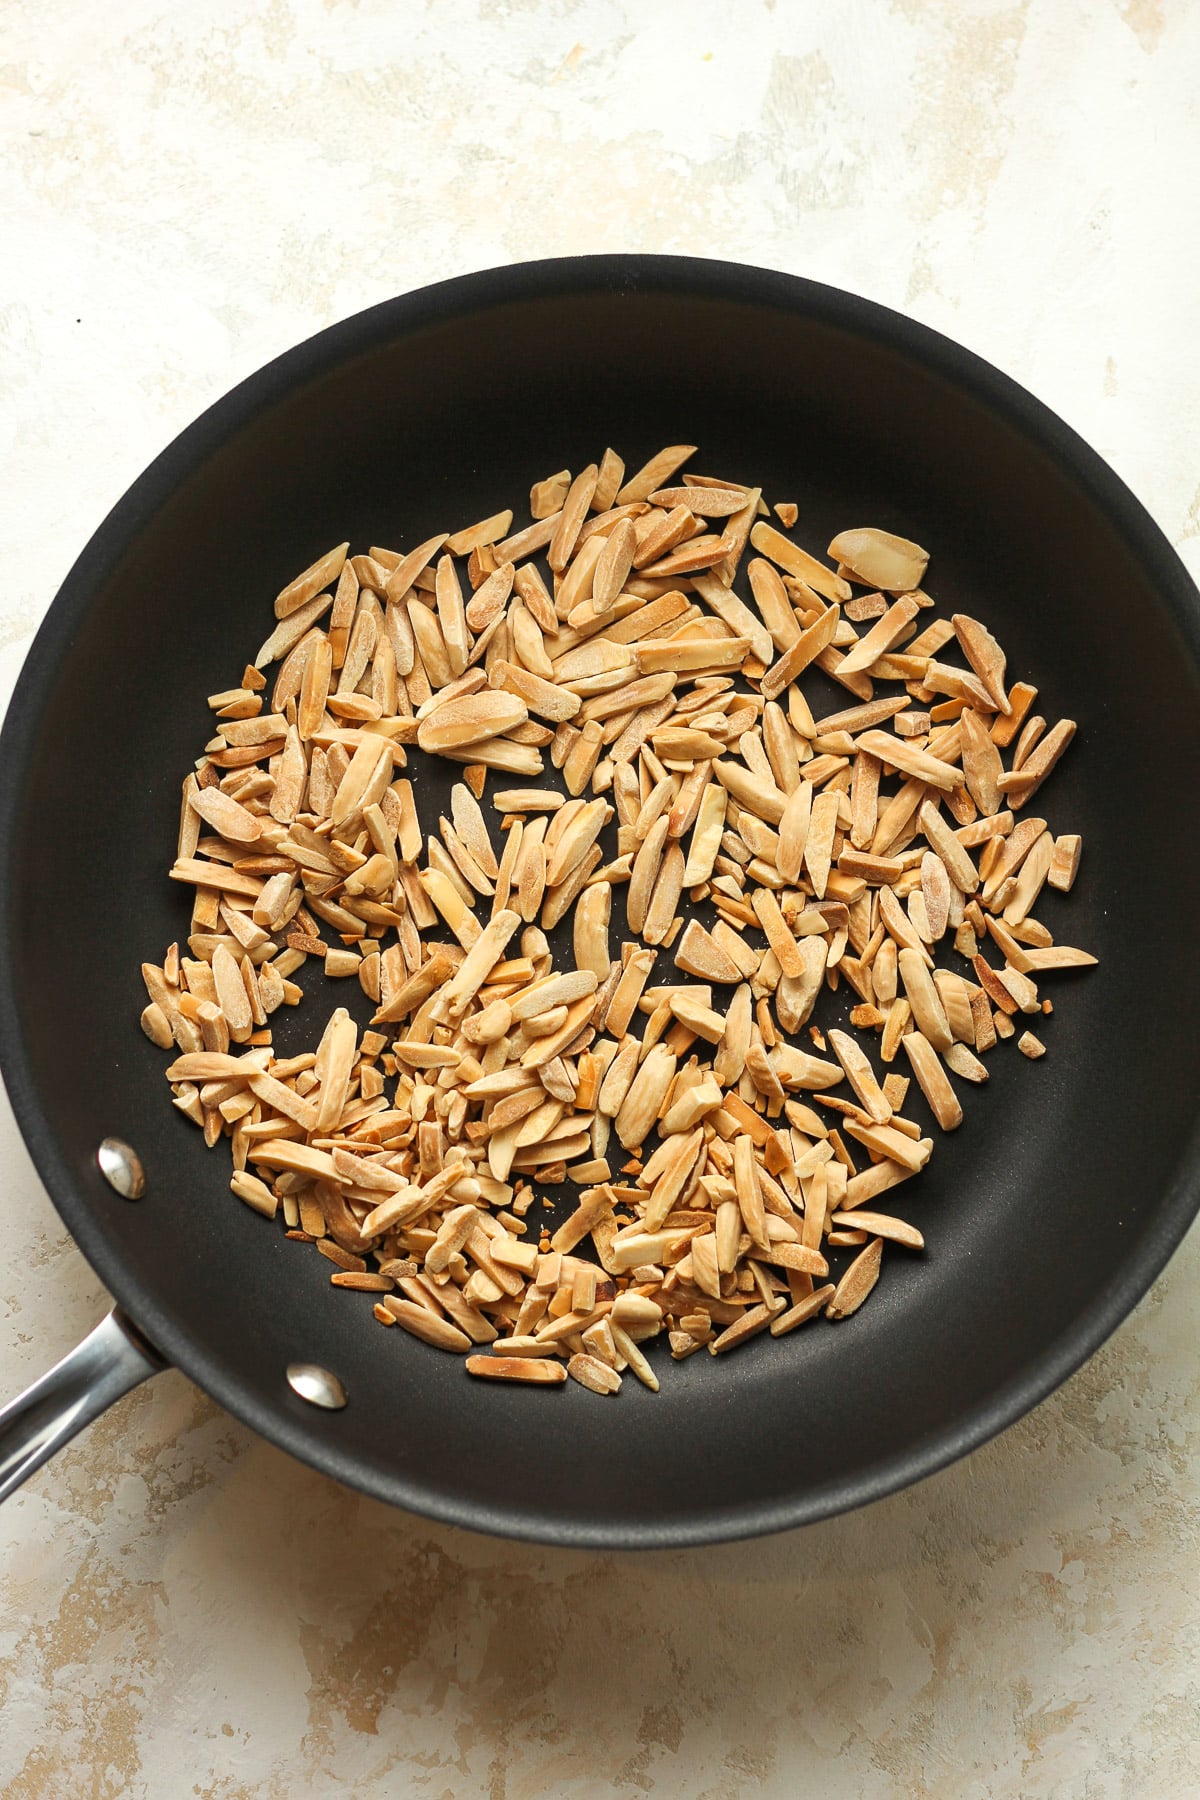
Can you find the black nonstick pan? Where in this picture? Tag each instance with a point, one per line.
(1047, 1215)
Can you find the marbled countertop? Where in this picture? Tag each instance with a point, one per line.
(187, 190)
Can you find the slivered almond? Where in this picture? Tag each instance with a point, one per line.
(1057, 956)
(856, 1284)
(546, 497)
(793, 832)
(710, 502)
(706, 835)
(881, 636)
(486, 531)
(545, 698)
(808, 648)
(881, 559)
(1039, 763)
(305, 587)
(645, 873)
(1064, 864)
(881, 1225)
(614, 565)
(861, 1076)
(225, 815)
(574, 511)
(911, 761)
(818, 843)
(931, 1078)
(653, 474)
(538, 1370)
(734, 613)
(786, 949)
(798, 562)
(924, 1000)
(958, 864)
(472, 720)
(985, 657)
(755, 793)
(698, 954)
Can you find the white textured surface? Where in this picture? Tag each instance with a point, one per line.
(187, 190)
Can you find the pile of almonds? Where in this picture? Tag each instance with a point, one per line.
(721, 1145)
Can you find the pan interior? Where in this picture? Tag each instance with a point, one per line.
(1047, 1212)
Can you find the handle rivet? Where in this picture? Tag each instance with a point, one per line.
(122, 1168)
(316, 1385)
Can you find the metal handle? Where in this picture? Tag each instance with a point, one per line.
(35, 1426)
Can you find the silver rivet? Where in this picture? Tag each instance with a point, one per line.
(122, 1168)
(316, 1385)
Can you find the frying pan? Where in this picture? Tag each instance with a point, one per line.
(1047, 1215)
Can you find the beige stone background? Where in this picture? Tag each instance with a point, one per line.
(187, 189)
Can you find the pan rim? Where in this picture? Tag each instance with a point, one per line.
(311, 1441)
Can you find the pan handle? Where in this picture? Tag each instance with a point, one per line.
(34, 1427)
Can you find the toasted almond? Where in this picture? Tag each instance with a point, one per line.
(881, 1225)
(911, 761)
(799, 563)
(786, 949)
(809, 647)
(425, 1324)
(472, 720)
(931, 1077)
(861, 1076)
(881, 559)
(1064, 864)
(881, 637)
(591, 1373)
(699, 954)
(856, 1284)
(985, 657)
(653, 474)
(756, 1319)
(539, 1370)
(808, 1308)
(546, 497)
(733, 613)
(305, 587)
(574, 511)
(709, 502)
